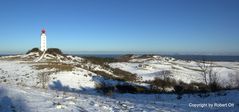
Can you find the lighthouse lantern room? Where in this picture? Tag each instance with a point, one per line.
(43, 40)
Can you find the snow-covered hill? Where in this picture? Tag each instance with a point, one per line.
(72, 85)
(186, 71)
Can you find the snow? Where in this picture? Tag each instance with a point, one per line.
(76, 80)
(34, 99)
(38, 59)
(186, 71)
(74, 91)
(17, 72)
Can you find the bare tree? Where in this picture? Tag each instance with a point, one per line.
(43, 78)
(212, 76)
(209, 76)
(205, 68)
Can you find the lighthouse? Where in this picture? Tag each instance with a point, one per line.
(43, 40)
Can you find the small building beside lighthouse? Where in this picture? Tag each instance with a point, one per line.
(43, 40)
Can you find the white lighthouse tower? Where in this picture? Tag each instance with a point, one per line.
(43, 40)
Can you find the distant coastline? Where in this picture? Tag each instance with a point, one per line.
(182, 57)
(9, 54)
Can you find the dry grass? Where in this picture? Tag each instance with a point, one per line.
(11, 58)
(55, 65)
(107, 76)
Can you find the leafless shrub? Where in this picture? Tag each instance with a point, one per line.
(214, 84)
(209, 76)
(159, 83)
(206, 71)
(105, 89)
(213, 77)
(43, 78)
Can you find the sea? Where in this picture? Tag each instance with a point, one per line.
(182, 57)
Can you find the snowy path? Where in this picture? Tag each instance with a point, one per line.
(38, 59)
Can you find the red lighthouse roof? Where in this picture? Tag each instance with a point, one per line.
(43, 31)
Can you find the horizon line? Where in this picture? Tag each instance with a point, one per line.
(133, 52)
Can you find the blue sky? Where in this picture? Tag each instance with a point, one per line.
(121, 26)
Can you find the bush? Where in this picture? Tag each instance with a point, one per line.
(54, 51)
(43, 78)
(146, 56)
(181, 88)
(125, 58)
(195, 87)
(33, 50)
(178, 89)
(162, 83)
(106, 75)
(124, 75)
(127, 88)
(105, 89)
(214, 86)
(100, 61)
(200, 87)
